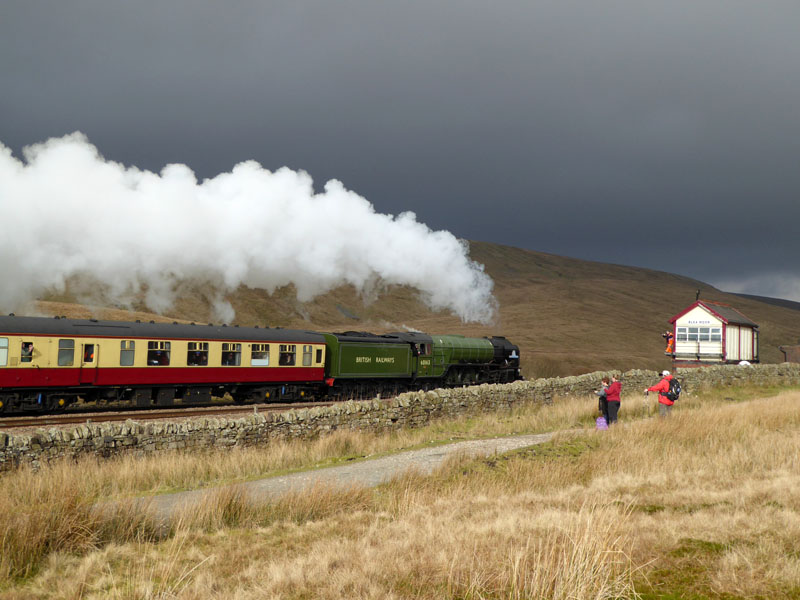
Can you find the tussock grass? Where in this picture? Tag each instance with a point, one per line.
(584, 557)
(705, 503)
(231, 506)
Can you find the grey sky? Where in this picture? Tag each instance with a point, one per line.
(657, 134)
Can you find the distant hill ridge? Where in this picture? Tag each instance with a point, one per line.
(776, 301)
(568, 315)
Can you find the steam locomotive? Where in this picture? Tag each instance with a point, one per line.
(49, 364)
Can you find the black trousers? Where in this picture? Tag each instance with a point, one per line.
(603, 406)
(613, 409)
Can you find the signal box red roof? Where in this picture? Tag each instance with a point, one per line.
(724, 312)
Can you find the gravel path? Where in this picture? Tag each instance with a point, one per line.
(367, 473)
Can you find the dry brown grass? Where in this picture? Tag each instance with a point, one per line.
(51, 510)
(705, 503)
(93, 479)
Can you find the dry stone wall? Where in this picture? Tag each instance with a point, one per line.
(413, 409)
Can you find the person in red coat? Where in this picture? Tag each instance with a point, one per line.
(612, 398)
(662, 387)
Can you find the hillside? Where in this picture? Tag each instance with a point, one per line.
(776, 301)
(569, 316)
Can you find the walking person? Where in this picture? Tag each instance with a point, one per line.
(662, 387)
(613, 392)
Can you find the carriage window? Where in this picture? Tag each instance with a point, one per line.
(66, 353)
(319, 355)
(259, 356)
(231, 355)
(3, 352)
(197, 354)
(287, 357)
(127, 350)
(306, 356)
(88, 353)
(158, 353)
(26, 352)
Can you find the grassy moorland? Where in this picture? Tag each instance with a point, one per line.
(569, 316)
(704, 504)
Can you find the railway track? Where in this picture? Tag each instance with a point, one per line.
(148, 415)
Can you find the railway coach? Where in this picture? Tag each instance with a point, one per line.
(47, 364)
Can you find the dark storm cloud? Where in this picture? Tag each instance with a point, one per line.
(654, 134)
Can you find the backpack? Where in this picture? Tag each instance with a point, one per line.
(674, 391)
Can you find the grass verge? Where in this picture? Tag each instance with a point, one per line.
(703, 504)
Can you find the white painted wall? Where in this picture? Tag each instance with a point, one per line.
(745, 343)
(696, 319)
(732, 341)
(738, 339)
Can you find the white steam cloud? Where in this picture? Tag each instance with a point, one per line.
(66, 211)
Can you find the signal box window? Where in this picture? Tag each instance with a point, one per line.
(127, 350)
(197, 355)
(699, 334)
(3, 352)
(259, 356)
(288, 354)
(66, 353)
(231, 355)
(306, 356)
(26, 352)
(158, 353)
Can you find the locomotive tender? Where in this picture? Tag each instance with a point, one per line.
(47, 364)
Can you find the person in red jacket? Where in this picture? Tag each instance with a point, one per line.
(612, 399)
(662, 387)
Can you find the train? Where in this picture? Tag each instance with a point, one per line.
(49, 364)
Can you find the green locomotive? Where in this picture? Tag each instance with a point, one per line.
(363, 365)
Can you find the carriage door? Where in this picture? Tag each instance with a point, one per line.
(88, 363)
